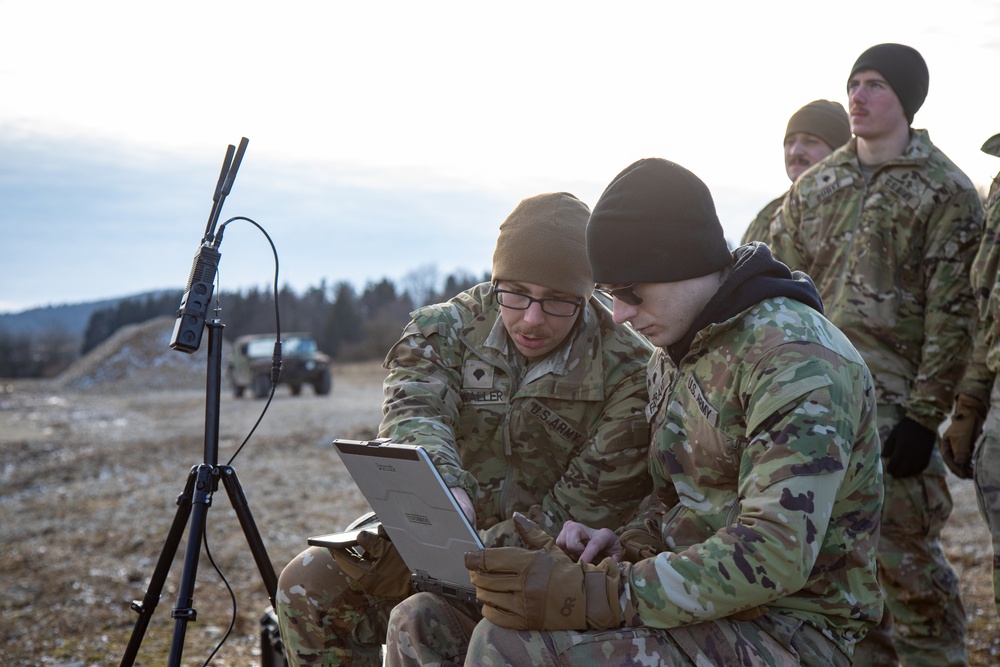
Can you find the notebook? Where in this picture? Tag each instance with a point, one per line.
(418, 512)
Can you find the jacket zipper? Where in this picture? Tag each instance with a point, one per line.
(508, 410)
(847, 255)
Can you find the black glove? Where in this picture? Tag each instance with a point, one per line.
(908, 448)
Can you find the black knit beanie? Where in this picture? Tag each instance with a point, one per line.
(903, 68)
(655, 223)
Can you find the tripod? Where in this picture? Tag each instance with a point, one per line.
(193, 503)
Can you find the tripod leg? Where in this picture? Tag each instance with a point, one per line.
(205, 483)
(194, 503)
(147, 606)
(239, 501)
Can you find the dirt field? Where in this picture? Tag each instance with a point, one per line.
(92, 466)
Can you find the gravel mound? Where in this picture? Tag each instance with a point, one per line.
(138, 357)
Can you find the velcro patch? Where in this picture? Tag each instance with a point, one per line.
(707, 410)
(554, 422)
(477, 374)
(829, 186)
(902, 190)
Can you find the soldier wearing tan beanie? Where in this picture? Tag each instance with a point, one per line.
(813, 132)
(543, 241)
(528, 398)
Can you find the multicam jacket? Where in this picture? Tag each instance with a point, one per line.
(891, 259)
(765, 453)
(757, 230)
(986, 273)
(563, 438)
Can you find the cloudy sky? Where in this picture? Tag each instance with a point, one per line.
(389, 137)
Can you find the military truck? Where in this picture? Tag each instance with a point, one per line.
(301, 363)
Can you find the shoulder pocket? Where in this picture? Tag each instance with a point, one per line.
(782, 393)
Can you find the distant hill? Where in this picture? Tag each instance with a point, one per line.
(70, 319)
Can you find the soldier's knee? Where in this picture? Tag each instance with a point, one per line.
(311, 576)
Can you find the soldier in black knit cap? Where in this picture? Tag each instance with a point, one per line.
(757, 545)
(887, 226)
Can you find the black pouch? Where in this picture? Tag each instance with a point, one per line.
(272, 649)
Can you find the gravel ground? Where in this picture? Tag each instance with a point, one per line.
(92, 465)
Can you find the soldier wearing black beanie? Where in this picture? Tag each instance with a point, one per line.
(900, 291)
(903, 68)
(655, 223)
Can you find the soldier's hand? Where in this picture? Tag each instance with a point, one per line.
(541, 588)
(465, 502)
(908, 448)
(583, 543)
(381, 570)
(960, 439)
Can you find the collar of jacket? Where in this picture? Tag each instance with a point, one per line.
(755, 277)
(573, 370)
(917, 151)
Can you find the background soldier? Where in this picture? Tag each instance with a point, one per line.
(887, 226)
(963, 455)
(813, 132)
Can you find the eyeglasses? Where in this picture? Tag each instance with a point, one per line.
(554, 307)
(624, 294)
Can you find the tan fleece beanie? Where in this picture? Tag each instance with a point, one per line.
(543, 241)
(824, 119)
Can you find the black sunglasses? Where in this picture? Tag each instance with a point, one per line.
(624, 294)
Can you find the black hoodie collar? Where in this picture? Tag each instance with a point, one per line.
(755, 276)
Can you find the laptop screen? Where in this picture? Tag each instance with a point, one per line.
(418, 512)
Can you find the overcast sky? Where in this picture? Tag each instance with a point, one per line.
(393, 136)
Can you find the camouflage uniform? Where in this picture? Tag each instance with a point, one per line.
(890, 258)
(757, 231)
(765, 464)
(563, 437)
(982, 378)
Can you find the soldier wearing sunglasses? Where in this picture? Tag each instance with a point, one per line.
(529, 399)
(758, 545)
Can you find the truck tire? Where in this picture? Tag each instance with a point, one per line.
(324, 383)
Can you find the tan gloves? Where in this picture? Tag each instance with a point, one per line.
(641, 543)
(380, 571)
(541, 588)
(960, 438)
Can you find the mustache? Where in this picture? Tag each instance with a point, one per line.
(530, 332)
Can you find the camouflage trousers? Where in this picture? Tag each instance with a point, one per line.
(986, 467)
(425, 629)
(924, 620)
(325, 620)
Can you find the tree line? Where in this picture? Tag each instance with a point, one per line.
(348, 325)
